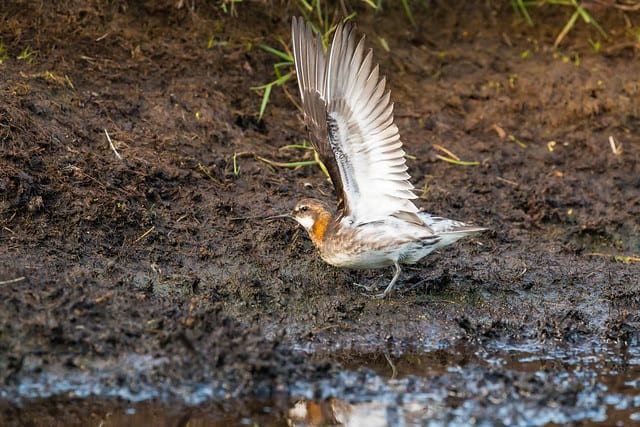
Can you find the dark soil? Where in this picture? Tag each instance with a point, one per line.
(163, 253)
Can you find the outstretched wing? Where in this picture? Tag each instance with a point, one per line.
(310, 68)
(350, 118)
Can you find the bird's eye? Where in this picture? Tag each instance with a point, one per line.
(304, 208)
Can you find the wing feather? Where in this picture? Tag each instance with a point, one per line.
(358, 141)
(310, 65)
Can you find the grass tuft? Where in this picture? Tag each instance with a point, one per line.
(229, 7)
(521, 9)
(281, 78)
(28, 55)
(4, 53)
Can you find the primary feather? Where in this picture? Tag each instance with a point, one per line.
(350, 119)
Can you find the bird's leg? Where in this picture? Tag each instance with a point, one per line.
(392, 283)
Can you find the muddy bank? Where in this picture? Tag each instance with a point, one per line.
(155, 255)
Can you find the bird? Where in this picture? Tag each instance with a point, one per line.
(349, 116)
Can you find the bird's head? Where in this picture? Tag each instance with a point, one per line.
(314, 216)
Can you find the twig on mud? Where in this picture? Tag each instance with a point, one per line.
(86, 175)
(456, 162)
(616, 148)
(89, 59)
(508, 181)
(445, 151)
(145, 234)
(286, 165)
(275, 163)
(618, 258)
(452, 157)
(208, 174)
(16, 280)
(394, 370)
(501, 133)
(104, 36)
(517, 141)
(180, 218)
(113, 148)
(626, 259)
(103, 298)
(291, 98)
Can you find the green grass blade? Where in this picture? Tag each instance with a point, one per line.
(456, 162)
(321, 165)
(521, 9)
(568, 26)
(267, 91)
(300, 163)
(295, 146)
(371, 4)
(279, 82)
(305, 5)
(287, 164)
(265, 100)
(283, 55)
(407, 10)
(283, 64)
(588, 19)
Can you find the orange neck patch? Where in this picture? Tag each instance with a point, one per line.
(320, 227)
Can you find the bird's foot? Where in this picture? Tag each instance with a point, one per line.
(369, 288)
(374, 286)
(370, 294)
(381, 295)
(389, 287)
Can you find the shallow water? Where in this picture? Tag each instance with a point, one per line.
(524, 384)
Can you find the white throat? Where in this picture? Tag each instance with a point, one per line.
(305, 221)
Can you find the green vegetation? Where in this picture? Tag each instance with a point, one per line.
(579, 12)
(451, 157)
(324, 18)
(281, 79)
(28, 55)
(323, 21)
(4, 53)
(229, 6)
(521, 8)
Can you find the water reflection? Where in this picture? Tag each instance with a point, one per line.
(521, 384)
(336, 412)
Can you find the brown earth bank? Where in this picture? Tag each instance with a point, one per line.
(164, 254)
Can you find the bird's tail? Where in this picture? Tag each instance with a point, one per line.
(448, 229)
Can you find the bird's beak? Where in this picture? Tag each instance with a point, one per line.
(279, 216)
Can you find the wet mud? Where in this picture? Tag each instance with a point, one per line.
(151, 276)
